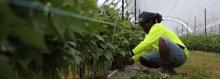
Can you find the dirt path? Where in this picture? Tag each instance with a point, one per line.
(130, 71)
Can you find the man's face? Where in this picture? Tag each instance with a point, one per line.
(146, 26)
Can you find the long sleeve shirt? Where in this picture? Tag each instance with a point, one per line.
(151, 40)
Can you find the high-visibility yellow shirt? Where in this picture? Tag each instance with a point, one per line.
(151, 40)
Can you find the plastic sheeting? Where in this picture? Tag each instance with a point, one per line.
(182, 14)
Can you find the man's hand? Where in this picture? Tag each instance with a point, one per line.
(124, 58)
(129, 62)
(127, 59)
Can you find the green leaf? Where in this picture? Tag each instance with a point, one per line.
(110, 45)
(8, 19)
(39, 59)
(69, 35)
(68, 3)
(100, 38)
(31, 37)
(7, 16)
(122, 53)
(42, 24)
(57, 3)
(6, 70)
(24, 63)
(108, 55)
(72, 43)
(94, 27)
(4, 32)
(76, 25)
(78, 59)
(59, 25)
(87, 5)
(75, 54)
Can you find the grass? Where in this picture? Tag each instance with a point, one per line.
(200, 65)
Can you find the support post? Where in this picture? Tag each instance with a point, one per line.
(135, 11)
(122, 9)
(205, 23)
(195, 24)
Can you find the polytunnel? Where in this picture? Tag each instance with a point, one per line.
(197, 15)
(106, 39)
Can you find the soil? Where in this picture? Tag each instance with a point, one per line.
(129, 72)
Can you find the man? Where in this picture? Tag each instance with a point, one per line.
(161, 47)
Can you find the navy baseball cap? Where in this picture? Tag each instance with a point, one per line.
(144, 16)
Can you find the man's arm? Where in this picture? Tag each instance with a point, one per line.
(148, 41)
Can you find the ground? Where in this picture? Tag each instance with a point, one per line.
(200, 65)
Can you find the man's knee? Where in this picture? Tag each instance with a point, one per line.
(146, 63)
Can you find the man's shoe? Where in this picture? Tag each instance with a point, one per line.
(169, 71)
